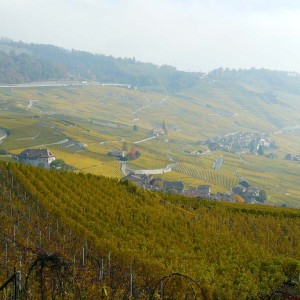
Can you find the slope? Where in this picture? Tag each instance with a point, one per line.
(103, 118)
(233, 251)
(87, 66)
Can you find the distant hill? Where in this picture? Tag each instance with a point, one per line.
(261, 78)
(19, 68)
(21, 62)
(88, 66)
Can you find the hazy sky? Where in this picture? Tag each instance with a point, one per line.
(195, 35)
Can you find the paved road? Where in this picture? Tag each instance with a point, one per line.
(117, 141)
(134, 113)
(57, 143)
(144, 140)
(218, 163)
(47, 84)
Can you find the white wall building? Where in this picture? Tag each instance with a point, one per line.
(37, 157)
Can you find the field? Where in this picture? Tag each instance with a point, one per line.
(82, 124)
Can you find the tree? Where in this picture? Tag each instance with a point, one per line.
(57, 164)
(238, 198)
(260, 150)
(135, 127)
(134, 153)
(125, 146)
(253, 145)
(157, 182)
(245, 183)
(164, 127)
(288, 157)
(262, 196)
(3, 152)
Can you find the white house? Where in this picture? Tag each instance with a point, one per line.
(37, 157)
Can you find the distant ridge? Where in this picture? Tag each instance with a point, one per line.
(19, 61)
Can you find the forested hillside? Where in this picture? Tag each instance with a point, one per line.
(104, 232)
(261, 78)
(102, 68)
(21, 62)
(19, 68)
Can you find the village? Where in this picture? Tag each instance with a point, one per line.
(243, 192)
(238, 141)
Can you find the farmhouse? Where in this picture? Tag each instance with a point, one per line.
(37, 157)
(158, 131)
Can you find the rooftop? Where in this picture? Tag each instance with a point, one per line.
(36, 153)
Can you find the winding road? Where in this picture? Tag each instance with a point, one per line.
(218, 163)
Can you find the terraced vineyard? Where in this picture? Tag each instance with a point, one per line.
(100, 228)
(220, 182)
(102, 118)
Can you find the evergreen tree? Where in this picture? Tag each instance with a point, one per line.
(164, 127)
(125, 146)
(260, 150)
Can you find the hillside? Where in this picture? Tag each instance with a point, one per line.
(21, 62)
(232, 251)
(25, 68)
(96, 67)
(107, 118)
(82, 120)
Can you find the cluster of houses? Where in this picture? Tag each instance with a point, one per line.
(250, 194)
(157, 131)
(247, 193)
(43, 158)
(238, 141)
(176, 187)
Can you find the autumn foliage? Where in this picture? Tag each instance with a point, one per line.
(104, 228)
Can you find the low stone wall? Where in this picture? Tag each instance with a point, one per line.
(125, 170)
